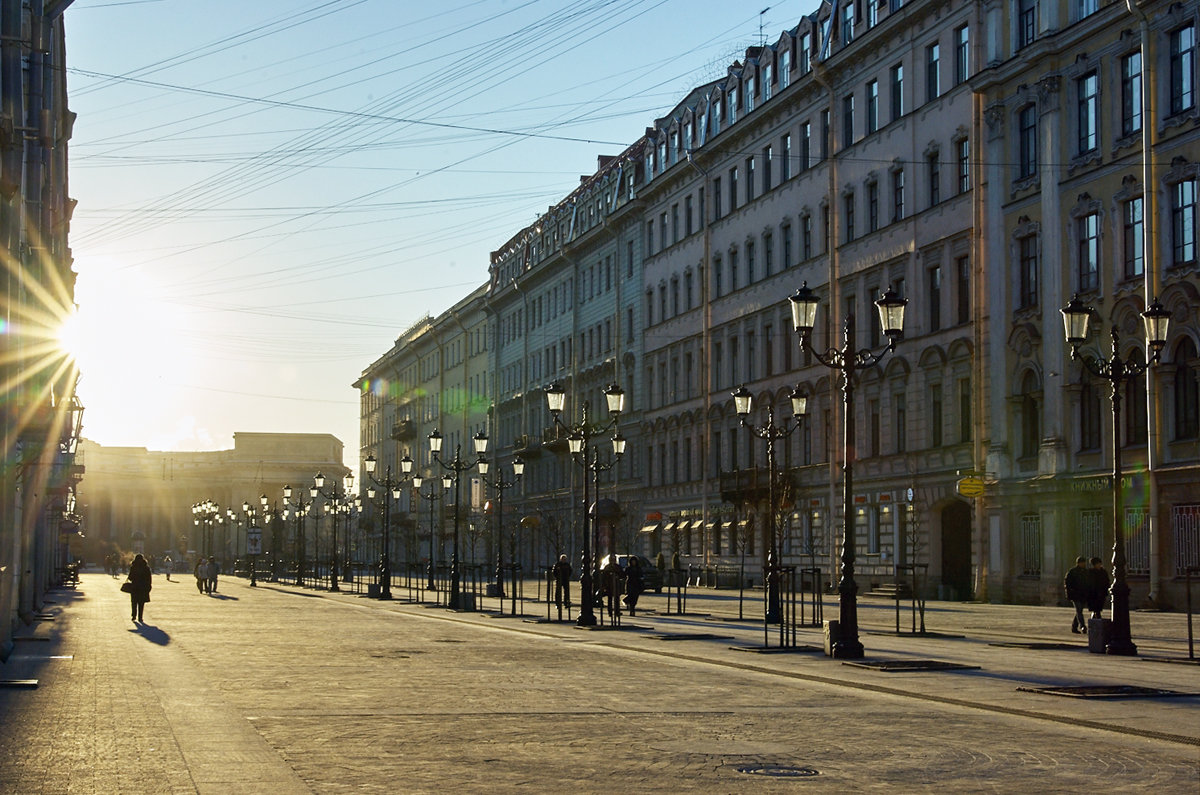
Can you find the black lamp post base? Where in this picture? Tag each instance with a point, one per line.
(586, 620)
(847, 650)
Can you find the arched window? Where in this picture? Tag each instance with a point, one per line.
(1089, 417)
(1133, 408)
(1187, 392)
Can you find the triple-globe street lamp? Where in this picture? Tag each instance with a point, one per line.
(391, 491)
(1117, 369)
(456, 466)
(579, 436)
(301, 508)
(335, 500)
(432, 496)
(204, 513)
(498, 484)
(848, 360)
(249, 512)
(771, 432)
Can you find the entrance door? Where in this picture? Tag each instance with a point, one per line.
(956, 549)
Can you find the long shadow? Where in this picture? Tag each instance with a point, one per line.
(223, 597)
(152, 634)
(291, 592)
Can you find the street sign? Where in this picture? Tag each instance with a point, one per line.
(254, 541)
(970, 486)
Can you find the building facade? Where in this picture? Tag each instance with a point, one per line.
(985, 161)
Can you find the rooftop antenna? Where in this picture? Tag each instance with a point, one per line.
(762, 41)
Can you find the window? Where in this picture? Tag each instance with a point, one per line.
(1088, 272)
(1134, 407)
(751, 262)
(675, 222)
(749, 179)
(962, 268)
(787, 247)
(805, 144)
(1027, 272)
(768, 78)
(806, 237)
(1027, 152)
(848, 212)
(717, 276)
(898, 195)
(824, 134)
(848, 121)
(1187, 392)
(900, 428)
(934, 164)
(1131, 93)
(897, 91)
(768, 159)
(1086, 7)
(932, 64)
(1031, 545)
(1134, 243)
(687, 290)
(935, 415)
(1183, 222)
(650, 237)
(1185, 524)
(963, 147)
(768, 351)
(717, 211)
(785, 68)
(688, 224)
(1030, 424)
(847, 23)
(804, 53)
(872, 106)
(1088, 112)
(751, 93)
(872, 206)
(733, 189)
(1026, 22)
(733, 271)
(768, 254)
(1089, 418)
(873, 414)
(1183, 69)
(785, 158)
(732, 101)
(964, 410)
(934, 298)
(962, 55)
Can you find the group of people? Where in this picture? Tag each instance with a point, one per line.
(1087, 587)
(631, 574)
(206, 572)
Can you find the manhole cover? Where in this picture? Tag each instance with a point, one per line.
(913, 665)
(779, 649)
(693, 636)
(778, 771)
(1105, 691)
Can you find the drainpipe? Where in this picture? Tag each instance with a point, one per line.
(1152, 286)
(705, 357)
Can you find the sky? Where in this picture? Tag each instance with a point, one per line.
(270, 192)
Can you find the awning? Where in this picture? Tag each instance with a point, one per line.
(650, 528)
(668, 527)
(683, 524)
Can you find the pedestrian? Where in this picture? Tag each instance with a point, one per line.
(139, 587)
(1097, 588)
(562, 584)
(1076, 584)
(167, 564)
(200, 574)
(634, 584)
(214, 569)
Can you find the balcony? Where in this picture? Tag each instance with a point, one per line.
(527, 446)
(404, 430)
(751, 486)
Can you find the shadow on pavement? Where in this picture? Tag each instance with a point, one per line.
(152, 634)
(223, 597)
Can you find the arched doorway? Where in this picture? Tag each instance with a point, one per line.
(956, 550)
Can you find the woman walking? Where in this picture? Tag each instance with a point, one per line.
(140, 582)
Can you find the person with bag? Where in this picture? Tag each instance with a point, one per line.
(1075, 584)
(634, 584)
(138, 584)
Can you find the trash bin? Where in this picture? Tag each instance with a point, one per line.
(832, 635)
(1099, 631)
(373, 590)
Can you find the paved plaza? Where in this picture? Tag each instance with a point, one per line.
(277, 689)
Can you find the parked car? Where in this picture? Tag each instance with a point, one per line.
(652, 578)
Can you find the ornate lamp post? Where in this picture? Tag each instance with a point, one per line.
(250, 513)
(335, 501)
(583, 453)
(391, 491)
(1116, 370)
(431, 497)
(848, 361)
(301, 507)
(203, 515)
(743, 401)
(456, 466)
(499, 484)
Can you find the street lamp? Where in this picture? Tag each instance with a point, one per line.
(583, 453)
(456, 466)
(1116, 370)
(391, 491)
(204, 513)
(742, 402)
(334, 503)
(250, 513)
(433, 496)
(499, 484)
(302, 508)
(848, 361)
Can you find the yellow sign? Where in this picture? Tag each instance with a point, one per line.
(970, 486)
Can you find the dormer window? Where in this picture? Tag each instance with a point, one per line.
(733, 105)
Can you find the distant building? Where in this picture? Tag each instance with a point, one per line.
(136, 500)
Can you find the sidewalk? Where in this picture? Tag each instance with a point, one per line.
(282, 690)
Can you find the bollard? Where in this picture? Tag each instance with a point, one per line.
(832, 635)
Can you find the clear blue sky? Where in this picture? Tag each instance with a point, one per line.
(270, 192)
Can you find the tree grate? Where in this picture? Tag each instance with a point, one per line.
(778, 771)
(901, 666)
(1106, 691)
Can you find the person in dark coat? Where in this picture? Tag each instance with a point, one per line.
(140, 581)
(1076, 584)
(1097, 588)
(562, 583)
(634, 584)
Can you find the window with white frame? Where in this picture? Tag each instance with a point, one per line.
(1132, 239)
(1131, 93)
(1087, 90)
(1183, 222)
(1137, 541)
(1185, 526)
(1088, 259)
(1183, 69)
(1031, 545)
